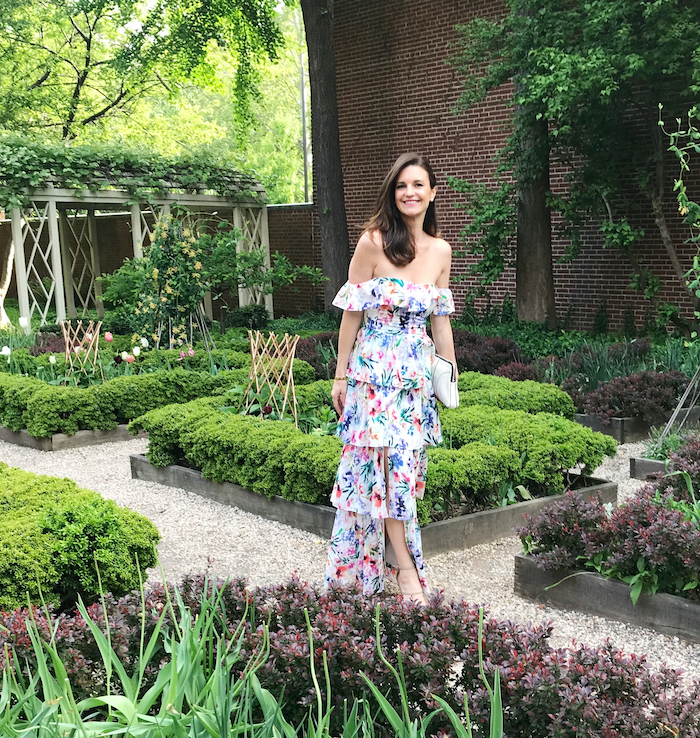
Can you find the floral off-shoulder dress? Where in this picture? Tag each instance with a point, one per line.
(390, 408)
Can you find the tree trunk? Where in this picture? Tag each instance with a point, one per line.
(534, 280)
(325, 145)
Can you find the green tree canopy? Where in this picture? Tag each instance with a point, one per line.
(594, 72)
(64, 66)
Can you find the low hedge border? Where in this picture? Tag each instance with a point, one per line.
(45, 409)
(51, 534)
(530, 396)
(274, 458)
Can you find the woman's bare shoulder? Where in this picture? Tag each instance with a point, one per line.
(366, 256)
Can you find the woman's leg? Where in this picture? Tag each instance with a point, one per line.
(407, 576)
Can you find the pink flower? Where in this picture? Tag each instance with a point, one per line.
(190, 352)
(130, 358)
(109, 337)
(183, 354)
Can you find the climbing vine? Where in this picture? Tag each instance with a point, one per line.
(28, 165)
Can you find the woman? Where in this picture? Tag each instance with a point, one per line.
(382, 392)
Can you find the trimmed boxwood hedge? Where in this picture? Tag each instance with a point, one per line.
(530, 396)
(45, 409)
(51, 534)
(272, 457)
(477, 389)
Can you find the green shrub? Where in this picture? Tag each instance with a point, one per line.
(52, 533)
(45, 409)
(490, 446)
(548, 444)
(532, 397)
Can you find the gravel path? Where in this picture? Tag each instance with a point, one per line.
(199, 534)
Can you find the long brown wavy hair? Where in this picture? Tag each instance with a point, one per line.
(399, 246)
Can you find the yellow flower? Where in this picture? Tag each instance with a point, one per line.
(153, 306)
(155, 273)
(683, 210)
(154, 336)
(163, 298)
(186, 232)
(137, 311)
(198, 265)
(168, 289)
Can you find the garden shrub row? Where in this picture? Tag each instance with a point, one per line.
(530, 396)
(546, 691)
(474, 389)
(489, 446)
(52, 533)
(547, 444)
(44, 409)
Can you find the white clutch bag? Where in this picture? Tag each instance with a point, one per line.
(445, 381)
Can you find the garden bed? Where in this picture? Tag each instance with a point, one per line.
(61, 441)
(644, 468)
(446, 535)
(627, 430)
(594, 594)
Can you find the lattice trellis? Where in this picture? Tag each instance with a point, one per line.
(80, 261)
(82, 348)
(56, 250)
(254, 234)
(41, 274)
(271, 367)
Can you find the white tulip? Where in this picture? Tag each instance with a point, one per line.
(24, 322)
(6, 351)
(124, 355)
(136, 350)
(52, 359)
(144, 342)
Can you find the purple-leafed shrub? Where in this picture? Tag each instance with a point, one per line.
(475, 353)
(646, 535)
(649, 395)
(307, 350)
(686, 459)
(48, 343)
(517, 371)
(546, 692)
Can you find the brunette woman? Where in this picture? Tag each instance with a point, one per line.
(399, 275)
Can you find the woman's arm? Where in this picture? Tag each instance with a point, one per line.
(442, 336)
(361, 269)
(440, 324)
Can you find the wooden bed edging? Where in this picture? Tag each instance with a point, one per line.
(594, 594)
(627, 430)
(644, 468)
(447, 535)
(60, 441)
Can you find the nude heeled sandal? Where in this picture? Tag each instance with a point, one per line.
(415, 595)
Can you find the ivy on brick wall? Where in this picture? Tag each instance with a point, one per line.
(28, 165)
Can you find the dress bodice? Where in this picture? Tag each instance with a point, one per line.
(392, 346)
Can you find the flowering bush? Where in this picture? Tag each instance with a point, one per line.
(585, 691)
(649, 395)
(174, 285)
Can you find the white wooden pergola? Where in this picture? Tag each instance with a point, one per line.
(57, 253)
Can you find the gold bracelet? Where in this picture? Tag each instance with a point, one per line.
(342, 379)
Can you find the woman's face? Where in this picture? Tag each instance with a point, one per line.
(413, 192)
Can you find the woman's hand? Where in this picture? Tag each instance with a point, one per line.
(338, 393)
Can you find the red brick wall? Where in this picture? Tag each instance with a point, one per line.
(294, 232)
(396, 94)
